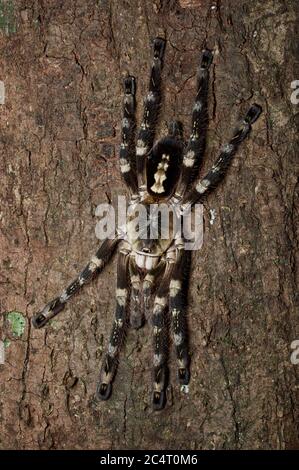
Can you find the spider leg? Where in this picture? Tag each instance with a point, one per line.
(195, 148)
(151, 110)
(110, 361)
(136, 313)
(218, 170)
(177, 308)
(160, 340)
(149, 281)
(127, 150)
(94, 267)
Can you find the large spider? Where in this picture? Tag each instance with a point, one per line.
(162, 171)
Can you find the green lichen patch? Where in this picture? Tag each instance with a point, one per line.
(7, 17)
(17, 323)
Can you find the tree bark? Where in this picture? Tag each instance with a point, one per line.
(62, 64)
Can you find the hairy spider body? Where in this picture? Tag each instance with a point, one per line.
(166, 172)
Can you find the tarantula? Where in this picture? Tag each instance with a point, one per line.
(153, 172)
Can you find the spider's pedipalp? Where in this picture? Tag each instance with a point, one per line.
(152, 103)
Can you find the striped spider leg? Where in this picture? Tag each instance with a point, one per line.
(93, 268)
(110, 362)
(216, 174)
(169, 299)
(136, 311)
(196, 144)
(177, 308)
(127, 158)
(146, 135)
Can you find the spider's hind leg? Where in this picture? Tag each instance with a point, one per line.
(110, 362)
(160, 341)
(177, 307)
(137, 318)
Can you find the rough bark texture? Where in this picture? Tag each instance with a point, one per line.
(62, 63)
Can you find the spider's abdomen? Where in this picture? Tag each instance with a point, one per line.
(163, 166)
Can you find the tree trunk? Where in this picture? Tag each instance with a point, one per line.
(62, 64)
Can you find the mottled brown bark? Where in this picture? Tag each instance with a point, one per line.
(61, 63)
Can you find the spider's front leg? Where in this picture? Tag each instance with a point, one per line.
(94, 267)
(127, 150)
(151, 111)
(110, 361)
(218, 170)
(196, 145)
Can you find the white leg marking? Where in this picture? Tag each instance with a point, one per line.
(175, 287)
(178, 339)
(197, 106)
(121, 296)
(227, 148)
(157, 359)
(151, 96)
(141, 148)
(202, 186)
(64, 296)
(125, 166)
(125, 123)
(97, 262)
(189, 158)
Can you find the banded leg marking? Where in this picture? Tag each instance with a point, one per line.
(218, 170)
(93, 268)
(177, 307)
(136, 312)
(196, 145)
(110, 362)
(151, 110)
(127, 150)
(160, 340)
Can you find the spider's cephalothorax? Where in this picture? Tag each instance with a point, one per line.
(150, 270)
